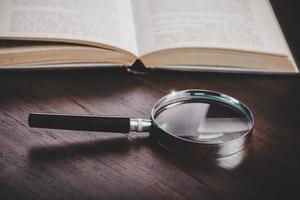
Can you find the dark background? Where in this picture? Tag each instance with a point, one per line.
(55, 164)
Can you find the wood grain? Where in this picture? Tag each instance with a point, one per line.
(56, 164)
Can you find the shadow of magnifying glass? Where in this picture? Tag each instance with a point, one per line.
(120, 146)
(116, 145)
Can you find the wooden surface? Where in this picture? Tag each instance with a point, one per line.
(52, 164)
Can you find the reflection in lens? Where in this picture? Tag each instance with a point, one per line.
(207, 122)
(231, 162)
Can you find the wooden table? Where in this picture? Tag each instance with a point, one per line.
(55, 164)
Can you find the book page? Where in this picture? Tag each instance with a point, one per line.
(98, 21)
(248, 25)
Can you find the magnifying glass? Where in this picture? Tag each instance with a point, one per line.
(190, 122)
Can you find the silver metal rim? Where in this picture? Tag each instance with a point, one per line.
(219, 150)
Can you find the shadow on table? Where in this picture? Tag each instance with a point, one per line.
(122, 144)
(230, 162)
(119, 145)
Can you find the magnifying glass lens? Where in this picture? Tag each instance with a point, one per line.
(203, 121)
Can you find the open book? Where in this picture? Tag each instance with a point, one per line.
(237, 35)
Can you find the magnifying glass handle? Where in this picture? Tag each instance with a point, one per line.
(87, 123)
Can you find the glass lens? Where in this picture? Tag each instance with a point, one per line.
(203, 121)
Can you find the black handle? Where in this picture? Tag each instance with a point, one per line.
(79, 122)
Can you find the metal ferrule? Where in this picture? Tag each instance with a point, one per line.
(140, 125)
